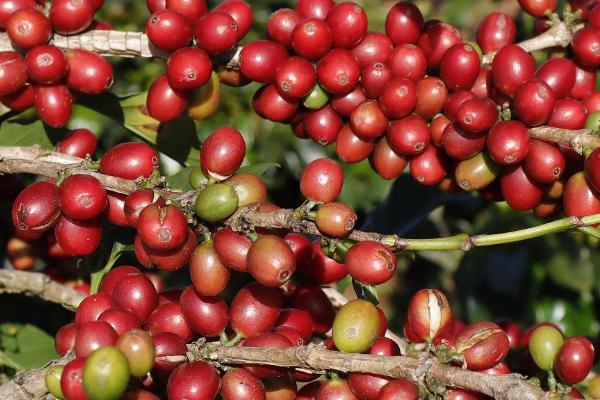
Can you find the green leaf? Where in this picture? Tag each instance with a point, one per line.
(35, 349)
(365, 291)
(259, 169)
(343, 284)
(181, 180)
(28, 134)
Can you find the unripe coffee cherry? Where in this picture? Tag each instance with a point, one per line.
(222, 153)
(162, 227)
(429, 313)
(52, 380)
(335, 219)
(216, 203)
(356, 326)
(544, 345)
(476, 173)
(370, 262)
(129, 160)
(322, 180)
(482, 344)
(82, 197)
(105, 374)
(137, 347)
(271, 261)
(249, 188)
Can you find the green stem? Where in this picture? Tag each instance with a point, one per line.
(234, 340)
(117, 252)
(465, 242)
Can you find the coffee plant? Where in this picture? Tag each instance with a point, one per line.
(155, 187)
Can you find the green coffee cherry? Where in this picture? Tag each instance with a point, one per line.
(356, 326)
(105, 374)
(316, 99)
(197, 178)
(52, 380)
(593, 121)
(216, 203)
(544, 344)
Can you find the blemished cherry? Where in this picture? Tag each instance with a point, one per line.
(271, 261)
(192, 10)
(255, 309)
(408, 136)
(216, 33)
(350, 147)
(508, 142)
(429, 167)
(495, 31)
(404, 23)
(129, 160)
(28, 28)
(313, 300)
(399, 98)
(197, 380)
(511, 66)
(78, 237)
(54, 104)
(373, 79)
(239, 384)
(408, 61)
(295, 77)
(240, 11)
(370, 262)
(169, 30)
(385, 161)
(79, 143)
(136, 293)
(208, 274)
(338, 71)
(321, 269)
(64, 340)
(71, 381)
(311, 39)
(162, 228)
(534, 102)
(519, 190)
(436, 39)
(281, 24)
(428, 313)
(260, 59)
(368, 120)
(322, 180)
(459, 67)
(36, 207)
(169, 260)
(314, 8)
(206, 315)
(71, 16)
(93, 335)
(483, 345)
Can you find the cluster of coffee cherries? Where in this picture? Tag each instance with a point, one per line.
(215, 34)
(41, 75)
(420, 96)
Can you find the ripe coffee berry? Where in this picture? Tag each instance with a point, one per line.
(338, 72)
(407, 61)
(71, 381)
(370, 262)
(460, 144)
(239, 384)
(335, 219)
(8, 8)
(311, 39)
(46, 64)
(295, 77)
(169, 30)
(240, 11)
(538, 8)
(281, 24)
(459, 67)
(322, 180)
(162, 227)
(188, 68)
(408, 136)
(399, 98)
(568, 114)
(260, 59)
(404, 23)
(36, 207)
(519, 190)
(28, 28)
(323, 125)
(344, 104)
(348, 23)
(271, 261)
(534, 102)
(477, 114)
(120, 320)
(77, 237)
(511, 66)
(368, 120)
(429, 167)
(314, 8)
(206, 315)
(168, 317)
(508, 142)
(385, 161)
(193, 381)
(78, 143)
(559, 74)
(255, 309)
(375, 47)
(483, 345)
(436, 39)
(216, 33)
(431, 96)
(270, 103)
(222, 152)
(574, 360)
(544, 162)
(54, 104)
(13, 72)
(495, 31)
(81, 197)
(208, 274)
(580, 198)
(93, 335)
(429, 313)
(373, 79)
(136, 293)
(164, 102)
(129, 160)
(20, 100)
(71, 16)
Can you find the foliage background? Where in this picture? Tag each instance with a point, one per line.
(556, 278)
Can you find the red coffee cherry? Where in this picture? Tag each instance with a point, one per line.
(460, 144)
(404, 23)
(436, 39)
(137, 201)
(368, 120)
(321, 269)
(585, 82)
(9, 7)
(168, 317)
(120, 320)
(36, 207)
(298, 320)
(519, 190)
(164, 102)
(239, 384)
(232, 248)
(79, 143)
(429, 167)
(585, 45)
(534, 102)
(544, 162)
(162, 227)
(13, 72)
(323, 125)
(77, 237)
(271, 261)
(431, 96)
(169, 30)
(408, 136)
(483, 83)
(592, 102)
(190, 9)
(64, 339)
(166, 344)
(313, 300)
(579, 196)
(188, 68)
(92, 307)
(408, 61)
(193, 381)
(281, 24)
(129, 160)
(208, 274)
(455, 101)
(574, 360)
(348, 23)
(93, 335)
(511, 67)
(568, 114)
(46, 64)
(20, 100)
(110, 280)
(385, 161)
(71, 381)
(375, 47)
(370, 262)
(170, 260)
(477, 114)
(260, 60)
(460, 67)
(28, 28)
(335, 219)
(216, 33)
(295, 77)
(322, 180)
(301, 247)
(592, 168)
(368, 386)
(71, 16)
(429, 313)
(271, 104)
(495, 31)
(81, 197)
(338, 71)
(311, 39)
(399, 98)
(559, 74)
(373, 79)
(222, 152)
(255, 309)
(483, 345)
(508, 142)
(436, 128)
(270, 340)
(240, 11)
(399, 389)
(54, 104)
(136, 293)
(314, 8)
(538, 8)
(344, 104)
(207, 316)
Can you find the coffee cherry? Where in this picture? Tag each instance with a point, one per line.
(483, 83)
(120, 319)
(129, 161)
(240, 11)
(216, 33)
(191, 10)
(508, 142)
(356, 326)
(209, 276)
(399, 389)
(350, 147)
(28, 28)
(568, 114)
(206, 315)
(335, 389)
(295, 77)
(222, 152)
(584, 82)
(338, 71)
(9, 7)
(559, 74)
(408, 61)
(375, 47)
(344, 104)
(429, 313)
(495, 31)
(20, 100)
(116, 274)
(511, 66)
(482, 344)
(544, 162)
(169, 30)
(89, 73)
(162, 227)
(435, 40)
(368, 386)
(81, 197)
(298, 320)
(368, 120)
(137, 201)
(429, 167)
(193, 381)
(584, 44)
(574, 360)
(255, 309)
(348, 23)
(399, 98)
(519, 190)
(232, 248)
(544, 345)
(373, 79)
(270, 104)
(579, 197)
(271, 261)
(166, 344)
(170, 260)
(216, 203)
(52, 379)
(164, 102)
(322, 270)
(534, 102)
(169, 317)
(314, 8)
(476, 172)
(311, 39)
(477, 114)
(260, 60)
(370, 262)
(79, 143)
(53, 104)
(459, 67)
(538, 8)
(239, 384)
(322, 180)
(313, 300)
(188, 68)
(36, 207)
(592, 169)
(105, 374)
(71, 16)
(460, 144)
(270, 340)
(404, 23)
(335, 219)
(71, 381)
(281, 24)
(408, 136)
(78, 237)
(92, 307)
(64, 340)
(93, 335)
(249, 189)
(431, 96)
(136, 293)
(455, 101)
